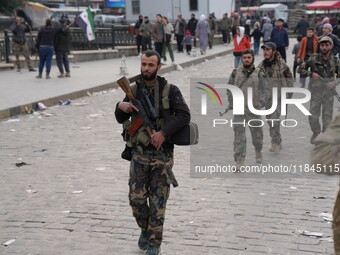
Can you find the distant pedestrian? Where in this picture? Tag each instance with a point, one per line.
(247, 27)
(327, 31)
(146, 31)
(180, 27)
(169, 30)
(158, 34)
(45, 45)
(267, 29)
(202, 33)
(295, 52)
(279, 36)
(235, 23)
(213, 29)
(19, 43)
(62, 49)
(319, 26)
(257, 34)
(192, 23)
(309, 46)
(187, 41)
(138, 34)
(301, 27)
(241, 43)
(225, 26)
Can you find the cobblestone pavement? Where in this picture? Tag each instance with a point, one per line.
(81, 204)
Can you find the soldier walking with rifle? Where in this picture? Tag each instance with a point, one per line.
(152, 111)
(324, 67)
(244, 77)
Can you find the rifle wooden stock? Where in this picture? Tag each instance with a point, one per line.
(125, 86)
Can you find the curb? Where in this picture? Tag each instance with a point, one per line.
(17, 110)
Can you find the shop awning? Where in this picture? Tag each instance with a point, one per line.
(324, 5)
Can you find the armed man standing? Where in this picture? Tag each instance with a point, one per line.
(19, 42)
(152, 155)
(279, 75)
(244, 77)
(324, 67)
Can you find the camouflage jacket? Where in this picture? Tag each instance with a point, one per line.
(278, 73)
(329, 69)
(250, 78)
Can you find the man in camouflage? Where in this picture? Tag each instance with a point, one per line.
(278, 75)
(244, 77)
(152, 157)
(321, 64)
(327, 154)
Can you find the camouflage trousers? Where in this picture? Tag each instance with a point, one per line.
(336, 225)
(321, 98)
(274, 126)
(240, 140)
(211, 39)
(17, 49)
(149, 182)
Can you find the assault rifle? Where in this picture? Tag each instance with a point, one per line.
(147, 112)
(321, 71)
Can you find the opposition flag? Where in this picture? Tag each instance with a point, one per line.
(85, 21)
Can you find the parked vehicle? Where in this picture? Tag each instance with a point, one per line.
(102, 20)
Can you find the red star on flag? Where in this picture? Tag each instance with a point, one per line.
(90, 34)
(85, 16)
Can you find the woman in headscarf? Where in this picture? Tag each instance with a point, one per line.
(241, 43)
(202, 33)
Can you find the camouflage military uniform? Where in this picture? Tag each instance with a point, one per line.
(278, 75)
(321, 96)
(255, 78)
(327, 152)
(151, 170)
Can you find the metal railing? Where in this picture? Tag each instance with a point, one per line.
(105, 38)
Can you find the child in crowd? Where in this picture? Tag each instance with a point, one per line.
(187, 41)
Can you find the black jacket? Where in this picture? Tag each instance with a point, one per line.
(179, 111)
(192, 25)
(62, 41)
(301, 27)
(47, 35)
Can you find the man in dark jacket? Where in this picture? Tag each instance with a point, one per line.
(152, 154)
(302, 26)
(62, 49)
(19, 42)
(279, 36)
(138, 34)
(158, 34)
(192, 23)
(180, 26)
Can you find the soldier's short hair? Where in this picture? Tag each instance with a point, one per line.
(150, 53)
(248, 51)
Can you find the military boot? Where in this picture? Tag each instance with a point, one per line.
(48, 75)
(143, 242)
(39, 76)
(239, 163)
(68, 74)
(152, 250)
(258, 156)
(275, 147)
(61, 75)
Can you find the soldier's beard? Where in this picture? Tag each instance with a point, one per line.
(149, 77)
(325, 52)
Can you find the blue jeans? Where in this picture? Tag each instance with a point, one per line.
(45, 56)
(238, 61)
(62, 59)
(256, 47)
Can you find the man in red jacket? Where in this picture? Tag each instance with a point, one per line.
(241, 43)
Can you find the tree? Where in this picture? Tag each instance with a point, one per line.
(8, 7)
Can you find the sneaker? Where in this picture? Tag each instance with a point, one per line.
(152, 250)
(143, 242)
(32, 70)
